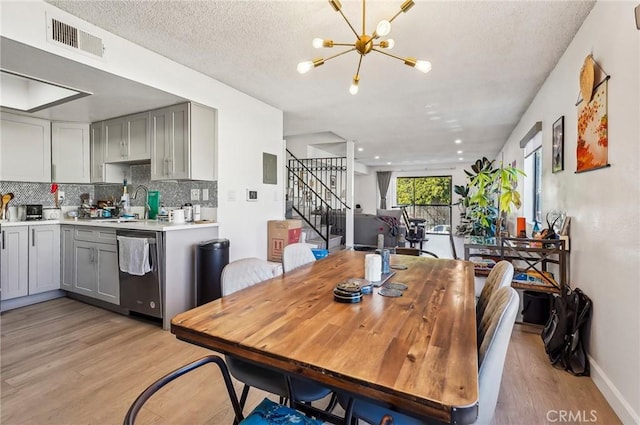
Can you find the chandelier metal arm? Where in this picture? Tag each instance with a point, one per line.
(358, 70)
(349, 23)
(389, 54)
(408, 4)
(339, 54)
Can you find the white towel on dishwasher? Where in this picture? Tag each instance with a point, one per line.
(133, 255)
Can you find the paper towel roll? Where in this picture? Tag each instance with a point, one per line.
(373, 267)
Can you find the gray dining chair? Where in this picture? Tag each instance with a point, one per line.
(296, 255)
(241, 274)
(500, 276)
(494, 333)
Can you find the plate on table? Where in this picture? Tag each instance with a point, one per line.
(395, 285)
(398, 267)
(386, 292)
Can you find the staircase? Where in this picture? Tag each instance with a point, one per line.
(314, 187)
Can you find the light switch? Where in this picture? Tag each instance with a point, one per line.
(205, 194)
(195, 194)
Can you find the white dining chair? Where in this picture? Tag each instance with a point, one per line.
(494, 331)
(242, 274)
(500, 276)
(296, 255)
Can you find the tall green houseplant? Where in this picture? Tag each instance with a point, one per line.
(489, 192)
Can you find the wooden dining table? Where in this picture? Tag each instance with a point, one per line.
(416, 352)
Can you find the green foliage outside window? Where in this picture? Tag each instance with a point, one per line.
(423, 190)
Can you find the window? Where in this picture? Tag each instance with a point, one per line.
(533, 180)
(428, 198)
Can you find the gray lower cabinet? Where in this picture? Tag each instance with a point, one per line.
(14, 262)
(30, 260)
(93, 264)
(44, 258)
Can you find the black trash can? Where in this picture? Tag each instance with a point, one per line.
(211, 258)
(537, 306)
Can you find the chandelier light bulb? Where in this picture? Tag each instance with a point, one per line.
(354, 86)
(390, 43)
(423, 66)
(383, 28)
(317, 43)
(304, 67)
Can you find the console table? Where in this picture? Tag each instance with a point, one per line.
(530, 258)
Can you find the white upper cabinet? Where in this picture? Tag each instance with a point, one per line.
(183, 142)
(126, 138)
(70, 152)
(25, 149)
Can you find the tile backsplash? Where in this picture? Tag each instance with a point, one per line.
(40, 193)
(172, 193)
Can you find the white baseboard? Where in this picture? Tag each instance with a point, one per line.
(617, 401)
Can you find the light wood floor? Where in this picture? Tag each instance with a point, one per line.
(65, 362)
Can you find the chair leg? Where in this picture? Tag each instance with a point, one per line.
(243, 396)
(332, 403)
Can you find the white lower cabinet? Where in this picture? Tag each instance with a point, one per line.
(29, 260)
(94, 264)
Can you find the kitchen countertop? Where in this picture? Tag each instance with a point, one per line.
(152, 225)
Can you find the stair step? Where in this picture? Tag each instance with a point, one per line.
(334, 241)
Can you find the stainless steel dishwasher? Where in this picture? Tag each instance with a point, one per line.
(143, 294)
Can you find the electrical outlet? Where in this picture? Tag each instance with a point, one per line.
(205, 194)
(60, 197)
(195, 194)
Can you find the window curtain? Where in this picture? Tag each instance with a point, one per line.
(384, 177)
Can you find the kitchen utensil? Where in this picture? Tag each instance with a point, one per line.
(5, 204)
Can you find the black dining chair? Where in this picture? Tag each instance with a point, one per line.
(267, 412)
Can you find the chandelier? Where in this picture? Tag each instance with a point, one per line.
(364, 44)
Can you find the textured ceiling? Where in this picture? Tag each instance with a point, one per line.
(489, 59)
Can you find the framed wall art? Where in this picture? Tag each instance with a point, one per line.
(557, 159)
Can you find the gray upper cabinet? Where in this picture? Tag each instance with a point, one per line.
(70, 152)
(25, 149)
(126, 139)
(102, 172)
(183, 142)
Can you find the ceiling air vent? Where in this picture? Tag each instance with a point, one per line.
(75, 38)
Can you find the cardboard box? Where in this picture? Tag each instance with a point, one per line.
(280, 234)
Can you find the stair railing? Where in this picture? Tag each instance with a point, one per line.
(309, 183)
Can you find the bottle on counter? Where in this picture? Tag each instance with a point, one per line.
(125, 200)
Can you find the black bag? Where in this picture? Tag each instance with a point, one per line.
(562, 335)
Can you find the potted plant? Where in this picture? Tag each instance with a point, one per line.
(489, 193)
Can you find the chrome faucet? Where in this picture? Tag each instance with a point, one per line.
(147, 207)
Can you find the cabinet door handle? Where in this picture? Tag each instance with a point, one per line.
(33, 237)
(3, 239)
(170, 166)
(91, 259)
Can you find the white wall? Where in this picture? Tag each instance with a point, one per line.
(246, 126)
(604, 204)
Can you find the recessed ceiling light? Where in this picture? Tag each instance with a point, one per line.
(458, 141)
(451, 121)
(459, 152)
(360, 149)
(432, 112)
(388, 163)
(435, 118)
(376, 157)
(30, 94)
(461, 158)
